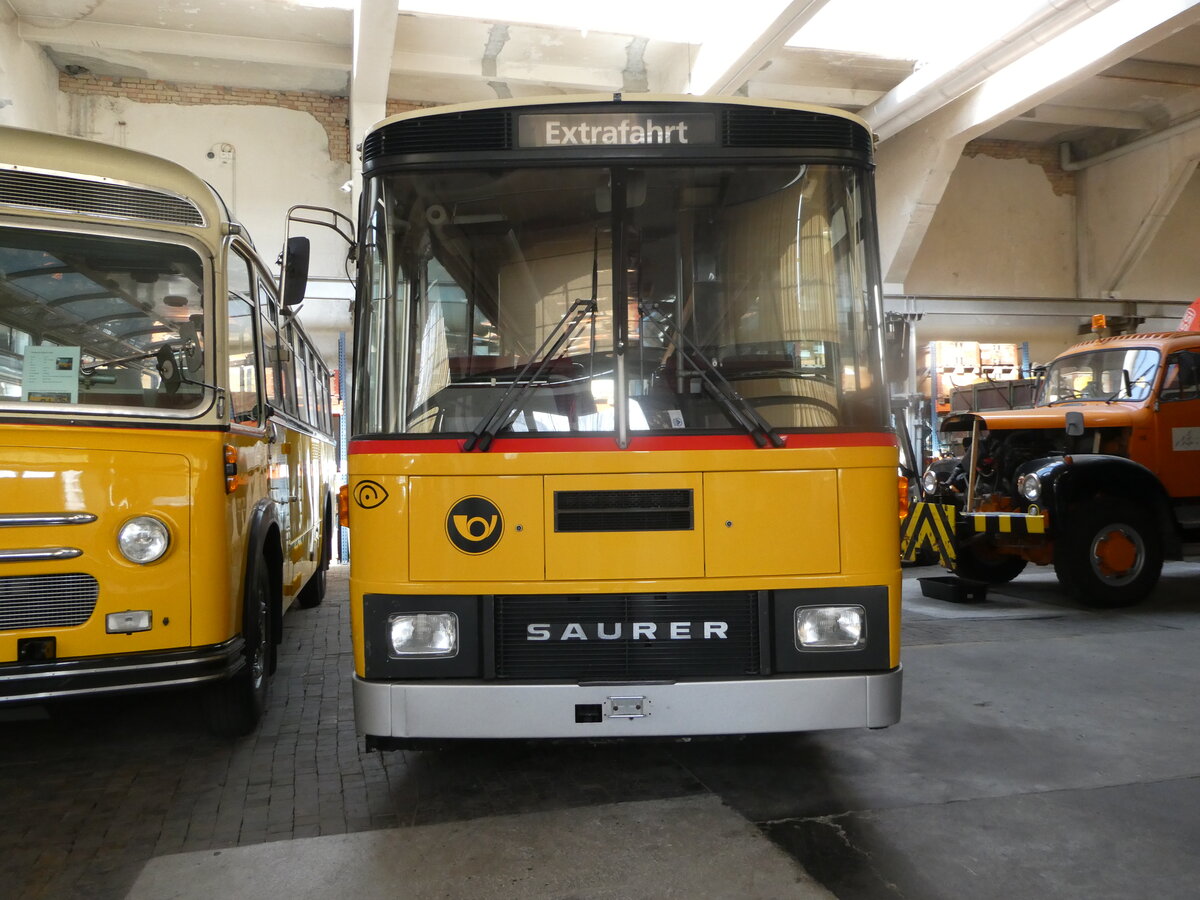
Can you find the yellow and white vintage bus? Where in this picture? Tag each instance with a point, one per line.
(166, 460)
(621, 459)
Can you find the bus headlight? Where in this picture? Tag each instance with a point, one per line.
(417, 635)
(143, 539)
(830, 627)
(1030, 487)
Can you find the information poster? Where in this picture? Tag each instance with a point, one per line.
(51, 375)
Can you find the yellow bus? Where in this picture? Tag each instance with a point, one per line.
(621, 460)
(166, 460)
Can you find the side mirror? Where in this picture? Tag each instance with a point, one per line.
(295, 271)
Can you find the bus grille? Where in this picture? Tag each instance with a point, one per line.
(565, 656)
(451, 132)
(95, 198)
(659, 510)
(46, 601)
(751, 127)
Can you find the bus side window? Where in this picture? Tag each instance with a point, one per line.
(243, 373)
(276, 354)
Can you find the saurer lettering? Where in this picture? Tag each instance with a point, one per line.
(637, 631)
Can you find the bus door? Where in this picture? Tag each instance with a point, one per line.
(285, 470)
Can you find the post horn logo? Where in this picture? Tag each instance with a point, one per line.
(474, 525)
(369, 494)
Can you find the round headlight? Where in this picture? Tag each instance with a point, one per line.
(143, 539)
(929, 482)
(1030, 486)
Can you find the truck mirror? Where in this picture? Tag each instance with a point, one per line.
(1074, 424)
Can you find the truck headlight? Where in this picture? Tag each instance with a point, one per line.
(143, 539)
(1030, 487)
(830, 627)
(422, 635)
(929, 482)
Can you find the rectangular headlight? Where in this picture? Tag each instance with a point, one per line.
(423, 635)
(830, 627)
(129, 621)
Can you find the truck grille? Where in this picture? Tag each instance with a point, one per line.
(576, 649)
(46, 601)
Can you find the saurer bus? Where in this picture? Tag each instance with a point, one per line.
(621, 460)
(166, 465)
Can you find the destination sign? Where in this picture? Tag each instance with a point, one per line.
(617, 130)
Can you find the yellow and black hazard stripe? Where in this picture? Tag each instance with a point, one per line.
(1002, 523)
(929, 525)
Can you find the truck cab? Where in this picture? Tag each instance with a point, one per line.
(1100, 478)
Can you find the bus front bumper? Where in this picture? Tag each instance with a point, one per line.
(118, 674)
(480, 710)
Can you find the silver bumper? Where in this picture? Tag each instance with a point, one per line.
(498, 710)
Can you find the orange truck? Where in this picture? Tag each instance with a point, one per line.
(1100, 478)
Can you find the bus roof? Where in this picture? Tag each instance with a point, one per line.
(112, 167)
(515, 102)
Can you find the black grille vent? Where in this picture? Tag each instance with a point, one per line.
(751, 127)
(567, 657)
(95, 198)
(46, 601)
(440, 134)
(661, 510)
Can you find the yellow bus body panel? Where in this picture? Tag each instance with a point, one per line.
(116, 474)
(599, 555)
(771, 523)
(818, 517)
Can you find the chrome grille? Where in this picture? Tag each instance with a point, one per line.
(95, 198)
(46, 601)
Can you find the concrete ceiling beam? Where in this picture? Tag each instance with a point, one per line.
(1050, 114)
(74, 35)
(1154, 72)
(913, 175)
(745, 43)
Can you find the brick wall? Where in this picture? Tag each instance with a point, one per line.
(331, 111)
(1044, 155)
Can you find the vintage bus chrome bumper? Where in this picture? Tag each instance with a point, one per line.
(440, 710)
(117, 674)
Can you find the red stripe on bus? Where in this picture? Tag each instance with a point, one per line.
(363, 446)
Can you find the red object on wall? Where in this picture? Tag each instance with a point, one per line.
(1191, 317)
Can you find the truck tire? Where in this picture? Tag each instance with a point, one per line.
(1110, 555)
(981, 562)
(233, 707)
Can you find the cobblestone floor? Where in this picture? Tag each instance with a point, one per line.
(90, 790)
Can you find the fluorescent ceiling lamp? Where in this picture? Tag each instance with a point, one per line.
(919, 30)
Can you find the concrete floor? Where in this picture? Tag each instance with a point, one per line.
(1044, 751)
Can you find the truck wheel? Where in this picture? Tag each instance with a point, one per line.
(982, 562)
(1111, 554)
(234, 707)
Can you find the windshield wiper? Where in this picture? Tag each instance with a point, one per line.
(492, 423)
(186, 347)
(738, 407)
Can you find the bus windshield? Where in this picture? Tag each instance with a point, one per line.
(1125, 373)
(640, 298)
(97, 321)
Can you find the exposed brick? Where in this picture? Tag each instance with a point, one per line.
(1061, 181)
(330, 110)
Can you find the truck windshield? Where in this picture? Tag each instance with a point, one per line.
(1125, 374)
(91, 320)
(761, 270)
